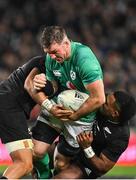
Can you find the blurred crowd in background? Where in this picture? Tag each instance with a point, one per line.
(107, 26)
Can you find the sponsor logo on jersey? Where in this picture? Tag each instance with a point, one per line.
(72, 75)
(88, 171)
(70, 85)
(107, 130)
(57, 73)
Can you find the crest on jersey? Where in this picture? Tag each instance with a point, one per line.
(72, 75)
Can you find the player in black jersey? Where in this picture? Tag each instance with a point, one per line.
(15, 108)
(102, 148)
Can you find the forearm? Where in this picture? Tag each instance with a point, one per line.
(100, 164)
(90, 105)
(95, 100)
(37, 96)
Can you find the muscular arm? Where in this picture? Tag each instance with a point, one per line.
(38, 96)
(99, 164)
(96, 99)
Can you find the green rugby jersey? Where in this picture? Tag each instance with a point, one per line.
(80, 69)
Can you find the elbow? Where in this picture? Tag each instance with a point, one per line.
(100, 173)
(103, 169)
(27, 87)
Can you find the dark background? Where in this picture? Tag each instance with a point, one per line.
(107, 26)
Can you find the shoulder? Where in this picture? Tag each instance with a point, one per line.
(120, 138)
(40, 57)
(84, 54)
(124, 130)
(121, 133)
(117, 131)
(37, 59)
(81, 50)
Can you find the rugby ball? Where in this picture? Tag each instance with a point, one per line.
(72, 99)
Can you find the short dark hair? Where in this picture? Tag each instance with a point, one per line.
(127, 105)
(51, 34)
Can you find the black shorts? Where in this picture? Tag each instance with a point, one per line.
(13, 120)
(13, 126)
(65, 149)
(45, 133)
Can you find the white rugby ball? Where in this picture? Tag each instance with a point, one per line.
(72, 99)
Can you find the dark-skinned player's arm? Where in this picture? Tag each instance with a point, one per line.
(95, 100)
(38, 87)
(100, 164)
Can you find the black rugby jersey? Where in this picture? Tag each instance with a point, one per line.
(13, 87)
(109, 139)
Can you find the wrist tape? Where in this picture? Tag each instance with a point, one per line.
(89, 153)
(47, 104)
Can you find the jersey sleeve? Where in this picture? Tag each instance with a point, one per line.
(88, 67)
(38, 62)
(115, 149)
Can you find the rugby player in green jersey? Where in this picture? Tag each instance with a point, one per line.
(72, 65)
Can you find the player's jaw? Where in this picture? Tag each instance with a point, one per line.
(59, 59)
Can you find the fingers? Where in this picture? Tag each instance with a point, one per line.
(63, 110)
(64, 119)
(39, 81)
(84, 139)
(84, 135)
(60, 106)
(38, 86)
(87, 134)
(61, 113)
(41, 78)
(79, 138)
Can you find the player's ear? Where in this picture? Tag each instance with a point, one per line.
(66, 42)
(115, 114)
